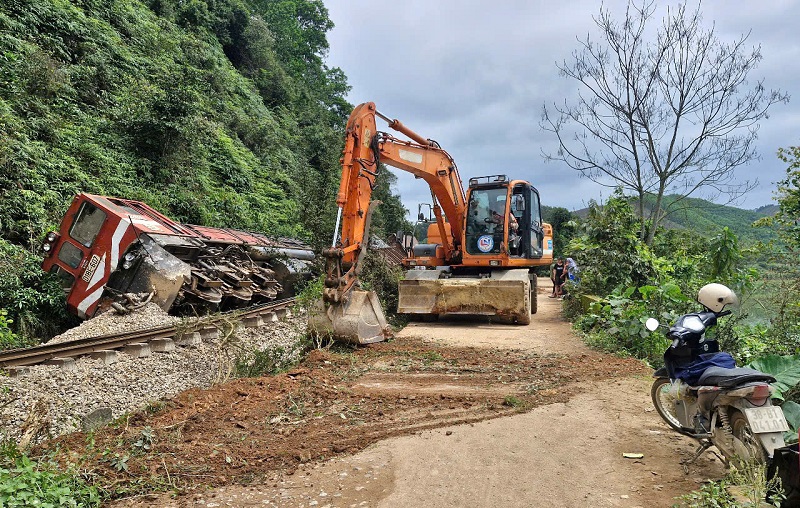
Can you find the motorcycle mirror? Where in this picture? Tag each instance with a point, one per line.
(651, 324)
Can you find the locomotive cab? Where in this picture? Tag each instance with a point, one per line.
(95, 238)
(110, 246)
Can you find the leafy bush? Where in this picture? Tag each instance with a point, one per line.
(785, 369)
(8, 339)
(33, 300)
(608, 249)
(25, 483)
(264, 363)
(617, 323)
(310, 293)
(634, 283)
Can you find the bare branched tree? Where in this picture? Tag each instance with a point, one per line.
(661, 110)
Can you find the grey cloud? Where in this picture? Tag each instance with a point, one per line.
(474, 75)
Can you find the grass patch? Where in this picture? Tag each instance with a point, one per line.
(746, 485)
(264, 363)
(25, 482)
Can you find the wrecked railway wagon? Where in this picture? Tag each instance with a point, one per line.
(108, 249)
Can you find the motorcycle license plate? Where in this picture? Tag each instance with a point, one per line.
(766, 419)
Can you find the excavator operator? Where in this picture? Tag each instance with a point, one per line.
(513, 225)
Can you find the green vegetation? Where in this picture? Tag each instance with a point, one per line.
(707, 218)
(264, 363)
(214, 112)
(634, 282)
(747, 485)
(25, 483)
(31, 302)
(563, 222)
(695, 216)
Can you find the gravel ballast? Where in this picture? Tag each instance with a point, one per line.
(49, 401)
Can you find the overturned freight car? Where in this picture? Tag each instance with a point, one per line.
(110, 248)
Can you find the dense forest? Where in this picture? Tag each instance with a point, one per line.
(214, 112)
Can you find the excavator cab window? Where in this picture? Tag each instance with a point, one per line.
(534, 234)
(486, 215)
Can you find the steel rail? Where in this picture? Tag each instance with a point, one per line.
(44, 352)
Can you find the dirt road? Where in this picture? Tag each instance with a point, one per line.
(453, 413)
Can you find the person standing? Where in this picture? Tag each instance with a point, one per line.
(572, 271)
(557, 275)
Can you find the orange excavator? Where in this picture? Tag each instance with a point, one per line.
(475, 256)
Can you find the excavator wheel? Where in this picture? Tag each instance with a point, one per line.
(525, 319)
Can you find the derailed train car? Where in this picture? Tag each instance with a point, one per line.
(108, 249)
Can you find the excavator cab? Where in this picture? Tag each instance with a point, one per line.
(503, 219)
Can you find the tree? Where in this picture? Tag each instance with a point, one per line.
(608, 249)
(670, 112)
(788, 196)
(562, 221)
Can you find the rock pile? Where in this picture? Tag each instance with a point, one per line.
(149, 316)
(49, 401)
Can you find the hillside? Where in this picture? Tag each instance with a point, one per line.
(708, 218)
(215, 112)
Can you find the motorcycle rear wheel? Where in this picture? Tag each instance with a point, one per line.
(659, 392)
(742, 431)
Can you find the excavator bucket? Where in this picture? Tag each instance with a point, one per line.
(507, 294)
(358, 319)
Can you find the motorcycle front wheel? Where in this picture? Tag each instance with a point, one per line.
(751, 449)
(664, 405)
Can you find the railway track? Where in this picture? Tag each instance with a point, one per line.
(81, 347)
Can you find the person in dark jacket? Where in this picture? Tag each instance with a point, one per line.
(557, 276)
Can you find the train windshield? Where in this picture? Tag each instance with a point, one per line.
(87, 224)
(64, 277)
(70, 255)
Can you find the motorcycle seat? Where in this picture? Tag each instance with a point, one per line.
(727, 378)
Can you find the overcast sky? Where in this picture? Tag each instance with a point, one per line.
(474, 75)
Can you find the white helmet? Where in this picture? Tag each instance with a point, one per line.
(715, 297)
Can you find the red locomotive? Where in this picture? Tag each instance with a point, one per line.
(109, 247)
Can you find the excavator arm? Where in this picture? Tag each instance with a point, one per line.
(365, 149)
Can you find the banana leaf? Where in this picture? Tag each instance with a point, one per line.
(791, 410)
(785, 369)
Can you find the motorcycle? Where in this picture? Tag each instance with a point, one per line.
(700, 392)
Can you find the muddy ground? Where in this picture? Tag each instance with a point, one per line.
(454, 413)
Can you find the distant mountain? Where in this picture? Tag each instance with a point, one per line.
(708, 218)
